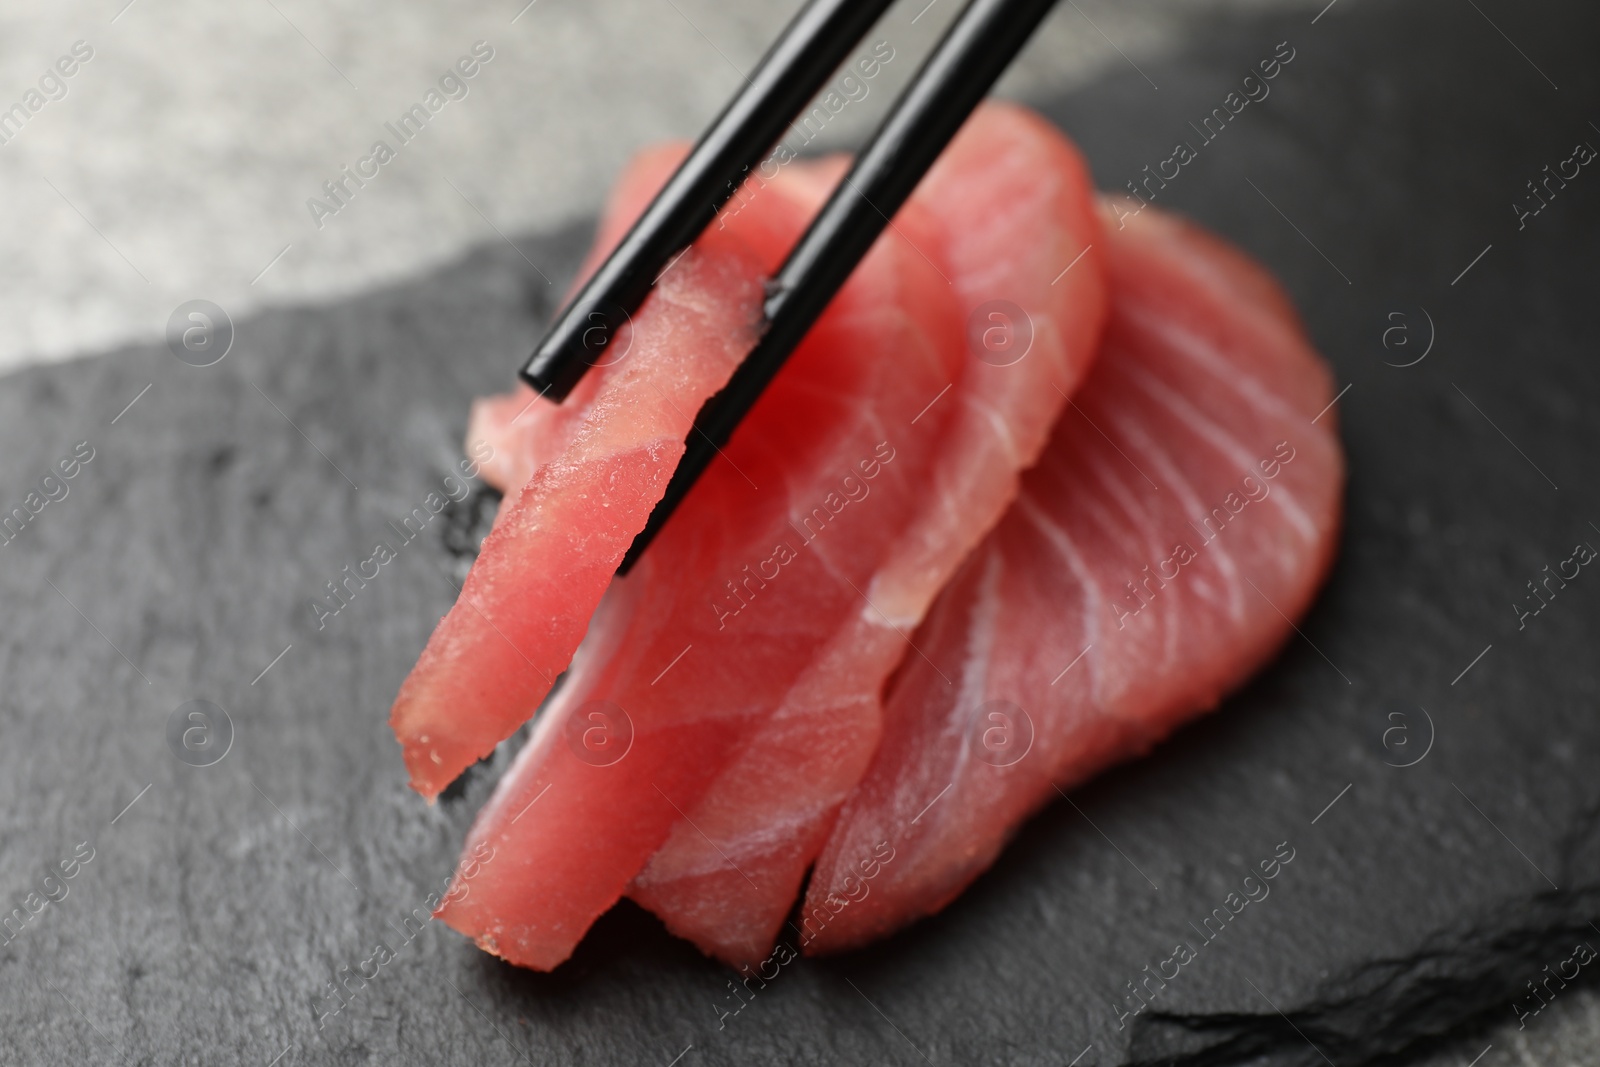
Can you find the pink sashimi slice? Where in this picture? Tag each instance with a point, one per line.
(523, 435)
(557, 541)
(807, 503)
(1184, 512)
(1016, 242)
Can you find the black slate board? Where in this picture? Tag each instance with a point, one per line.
(217, 908)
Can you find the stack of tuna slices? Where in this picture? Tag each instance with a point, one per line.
(999, 523)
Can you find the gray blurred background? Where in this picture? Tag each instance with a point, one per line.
(179, 161)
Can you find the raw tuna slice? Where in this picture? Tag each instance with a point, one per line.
(1015, 208)
(1184, 512)
(755, 573)
(542, 570)
(524, 435)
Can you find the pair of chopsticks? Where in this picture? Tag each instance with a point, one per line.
(963, 66)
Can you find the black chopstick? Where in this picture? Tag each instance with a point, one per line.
(965, 64)
(808, 51)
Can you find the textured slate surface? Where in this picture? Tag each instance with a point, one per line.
(218, 908)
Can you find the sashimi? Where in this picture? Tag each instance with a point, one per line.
(807, 502)
(583, 477)
(1185, 511)
(522, 434)
(1015, 241)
